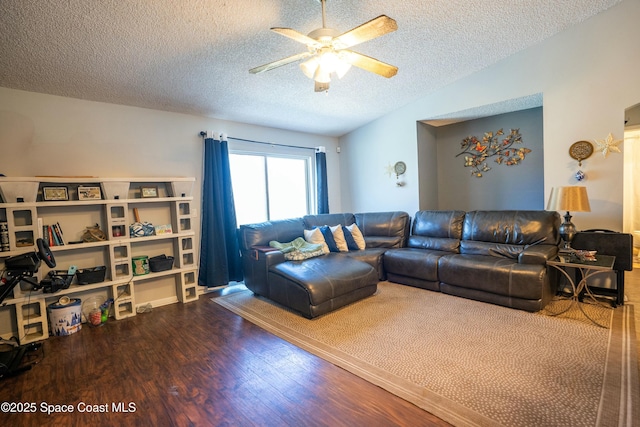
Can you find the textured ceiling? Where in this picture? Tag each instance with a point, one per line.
(193, 56)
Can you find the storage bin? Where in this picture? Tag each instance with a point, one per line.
(160, 263)
(96, 310)
(91, 275)
(64, 316)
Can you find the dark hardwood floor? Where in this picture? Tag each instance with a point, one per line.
(195, 364)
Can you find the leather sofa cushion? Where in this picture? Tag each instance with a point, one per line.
(383, 241)
(262, 233)
(512, 227)
(445, 224)
(326, 277)
(524, 254)
(500, 276)
(437, 230)
(492, 249)
(434, 243)
(384, 229)
(372, 256)
(417, 263)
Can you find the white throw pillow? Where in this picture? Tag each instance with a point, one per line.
(338, 236)
(357, 236)
(315, 236)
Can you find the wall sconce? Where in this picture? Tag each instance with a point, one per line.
(399, 168)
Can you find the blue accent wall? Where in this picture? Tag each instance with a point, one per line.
(503, 187)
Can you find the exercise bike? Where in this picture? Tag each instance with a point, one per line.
(21, 268)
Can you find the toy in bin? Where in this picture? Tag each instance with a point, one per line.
(140, 229)
(96, 310)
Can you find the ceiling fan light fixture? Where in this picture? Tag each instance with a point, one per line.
(329, 60)
(322, 75)
(309, 67)
(342, 67)
(320, 67)
(327, 51)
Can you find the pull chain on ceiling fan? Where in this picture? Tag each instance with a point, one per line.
(328, 53)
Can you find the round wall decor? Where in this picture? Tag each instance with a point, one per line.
(400, 168)
(580, 151)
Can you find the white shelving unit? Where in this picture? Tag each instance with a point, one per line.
(25, 212)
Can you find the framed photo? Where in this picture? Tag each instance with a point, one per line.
(55, 193)
(146, 192)
(89, 193)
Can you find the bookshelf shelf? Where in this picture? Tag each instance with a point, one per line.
(28, 216)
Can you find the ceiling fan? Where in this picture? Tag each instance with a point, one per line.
(328, 53)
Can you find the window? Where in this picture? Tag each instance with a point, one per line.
(271, 186)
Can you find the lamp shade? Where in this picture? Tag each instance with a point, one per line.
(568, 199)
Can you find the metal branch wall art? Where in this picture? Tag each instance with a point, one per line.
(476, 152)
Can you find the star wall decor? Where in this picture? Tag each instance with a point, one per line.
(389, 170)
(608, 145)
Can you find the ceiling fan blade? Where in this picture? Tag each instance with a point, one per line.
(369, 64)
(293, 34)
(280, 63)
(369, 30)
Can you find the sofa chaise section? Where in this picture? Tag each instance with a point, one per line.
(318, 285)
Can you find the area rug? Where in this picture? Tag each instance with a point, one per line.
(468, 362)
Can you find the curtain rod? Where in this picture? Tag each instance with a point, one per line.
(204, 134)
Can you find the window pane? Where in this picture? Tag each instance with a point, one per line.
(248, 178)
(287, 180)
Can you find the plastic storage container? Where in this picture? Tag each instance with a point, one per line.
(160, 263)
(91, 275)
(65, 317)
(96, 310)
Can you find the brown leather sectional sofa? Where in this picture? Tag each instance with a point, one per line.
(493, 256)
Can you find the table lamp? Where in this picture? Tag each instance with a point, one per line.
(568, 199)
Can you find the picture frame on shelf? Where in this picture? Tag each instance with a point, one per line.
(163, 229)
(89, 193)
(55, 193)
(147, 192)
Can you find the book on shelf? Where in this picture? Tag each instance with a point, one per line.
(45, 234)
(52, 234)
(4, 236)
(58, 231)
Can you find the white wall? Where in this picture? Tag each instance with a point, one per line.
(631, 188)
(588, 76)
(51, 135)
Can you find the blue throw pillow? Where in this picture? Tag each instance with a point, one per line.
(351, 243)
(328, 238)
